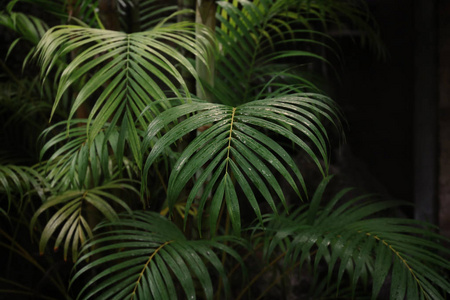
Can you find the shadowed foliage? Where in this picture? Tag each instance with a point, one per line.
(158, 190)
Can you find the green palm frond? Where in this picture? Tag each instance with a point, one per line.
(259, 40)
(16, 182)
(29, 28)
(224, 160)
(71, 217)
(145, 256)
(123, 73)
(347, 237)
(144, 14)
(253, 40)
(236, 150)
(76, 164)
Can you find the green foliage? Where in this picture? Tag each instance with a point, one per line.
(213, 217)
(255, 42)
(129, 61)
(16, 182)
(144, 256)
(28, 28)
(350, 239)
(75, 226)
(238, 151)
(145, 14)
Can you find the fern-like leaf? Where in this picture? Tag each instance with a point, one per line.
(235, 150)
(145, 256)
(71, 217)
(137, 69)
(255, 38)
(76, 164)
(16, 182)
(345, 236)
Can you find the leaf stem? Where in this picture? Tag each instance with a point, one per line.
(400, 257)
(229, 138)
(146, 266)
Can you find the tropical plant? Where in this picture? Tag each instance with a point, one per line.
(158, 189)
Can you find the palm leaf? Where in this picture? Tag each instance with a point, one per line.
(145, 256)
(144, 14)
(254, 39)
(16, 182)
(76, 164)
(258, 38)
(128, 63)
(29, 28)
(71, 217)
(350, 240)
(353, 15)
(235, 150)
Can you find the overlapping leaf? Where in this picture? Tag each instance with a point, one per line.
(144, 13)
(266, 44)
(71, 217)
(16, 182)
(237, 150)
(239, 155)
(122, 73)
(341, 15)
(76, 164)
(145, 256)
(345, 236)
(255, 40)
(29, 28)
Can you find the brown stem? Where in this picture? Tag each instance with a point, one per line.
(108, 14)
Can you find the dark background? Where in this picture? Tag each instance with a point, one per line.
(377, 96)
(398, 107)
